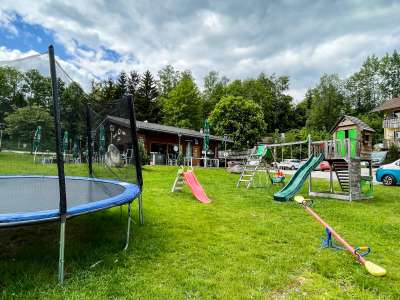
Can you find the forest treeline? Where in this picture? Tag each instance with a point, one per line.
(244, 109)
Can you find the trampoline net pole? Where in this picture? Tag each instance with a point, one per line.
(61, 253)
(57, 128)
(135, 144)
(89, 140)
(140, 206)
(128, 228)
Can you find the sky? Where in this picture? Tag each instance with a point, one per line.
(96, 39)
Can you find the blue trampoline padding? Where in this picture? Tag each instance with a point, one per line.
(29, 199)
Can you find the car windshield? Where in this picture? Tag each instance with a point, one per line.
(378, 155)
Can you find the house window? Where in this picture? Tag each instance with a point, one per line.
(397, 135)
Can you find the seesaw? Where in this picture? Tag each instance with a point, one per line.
(358, 252)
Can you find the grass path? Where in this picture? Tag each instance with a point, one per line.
(241, 246)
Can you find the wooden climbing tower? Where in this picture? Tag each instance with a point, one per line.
(350, 147)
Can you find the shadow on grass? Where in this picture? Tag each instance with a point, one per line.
(93, 242)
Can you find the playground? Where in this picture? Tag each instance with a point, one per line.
(242, 245)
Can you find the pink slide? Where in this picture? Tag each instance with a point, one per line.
(195, 186)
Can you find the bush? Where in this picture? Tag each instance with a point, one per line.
(144, 157)
(393, 154)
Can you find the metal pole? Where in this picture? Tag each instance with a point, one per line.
(309, 155)
(60, 162)
(61, 251)
(141, 214)
(89, 139)
(1, 136)
(128, 229)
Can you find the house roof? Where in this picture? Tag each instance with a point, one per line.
(146, 126)
(360, 124)
(389, 104)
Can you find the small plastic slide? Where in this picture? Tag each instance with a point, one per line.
(195, 187)
(298, 179)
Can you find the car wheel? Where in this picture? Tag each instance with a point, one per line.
(293, 168)
(388, 180)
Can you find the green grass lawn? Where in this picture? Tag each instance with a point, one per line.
(241, 246)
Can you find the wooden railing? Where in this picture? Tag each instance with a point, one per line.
(337, 149)
(391, 123)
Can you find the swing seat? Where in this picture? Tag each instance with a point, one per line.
(277, 180)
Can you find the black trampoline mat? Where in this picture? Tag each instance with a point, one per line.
(31, 194)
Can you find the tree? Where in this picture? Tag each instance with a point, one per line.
(240, 119)
(390, 73)
(73, 101)
(214, 90)
(168, 78)
(37, 89)
(363, 88)
(133, 82)
(328, 103)
(11, 92)
(269, 93)
(147, 107)
(183, 106)
(22, 123)
(121, 85)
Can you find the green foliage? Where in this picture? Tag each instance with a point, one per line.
(328, 103)
(22, 123)
(269, 93)
(38, 89)
(393, 154)
(241, 119)
(389, 72)
(72, 105)
(147, 105)
(144, 157)
(182, 107)
(11, 91)
(374, 120)
(168, 78)
(214, 90)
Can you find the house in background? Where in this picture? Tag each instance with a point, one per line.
(162, 142)
(391, 122)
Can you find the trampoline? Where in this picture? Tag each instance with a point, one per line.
(34, 199)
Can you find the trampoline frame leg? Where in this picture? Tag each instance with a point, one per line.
(61, 253)
(128, 229)
(141, 214)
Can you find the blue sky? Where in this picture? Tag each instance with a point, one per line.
(301, 39)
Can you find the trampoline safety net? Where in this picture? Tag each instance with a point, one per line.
(62, 152)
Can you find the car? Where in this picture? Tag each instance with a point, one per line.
(377, 158)
(323, 166)
(289, 164)
(389, 174)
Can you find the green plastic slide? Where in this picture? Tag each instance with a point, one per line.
(298, 179)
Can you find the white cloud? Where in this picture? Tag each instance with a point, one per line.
(6, 22)
(237, 38)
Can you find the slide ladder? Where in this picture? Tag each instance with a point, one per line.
(253, 165)
(298, 178)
